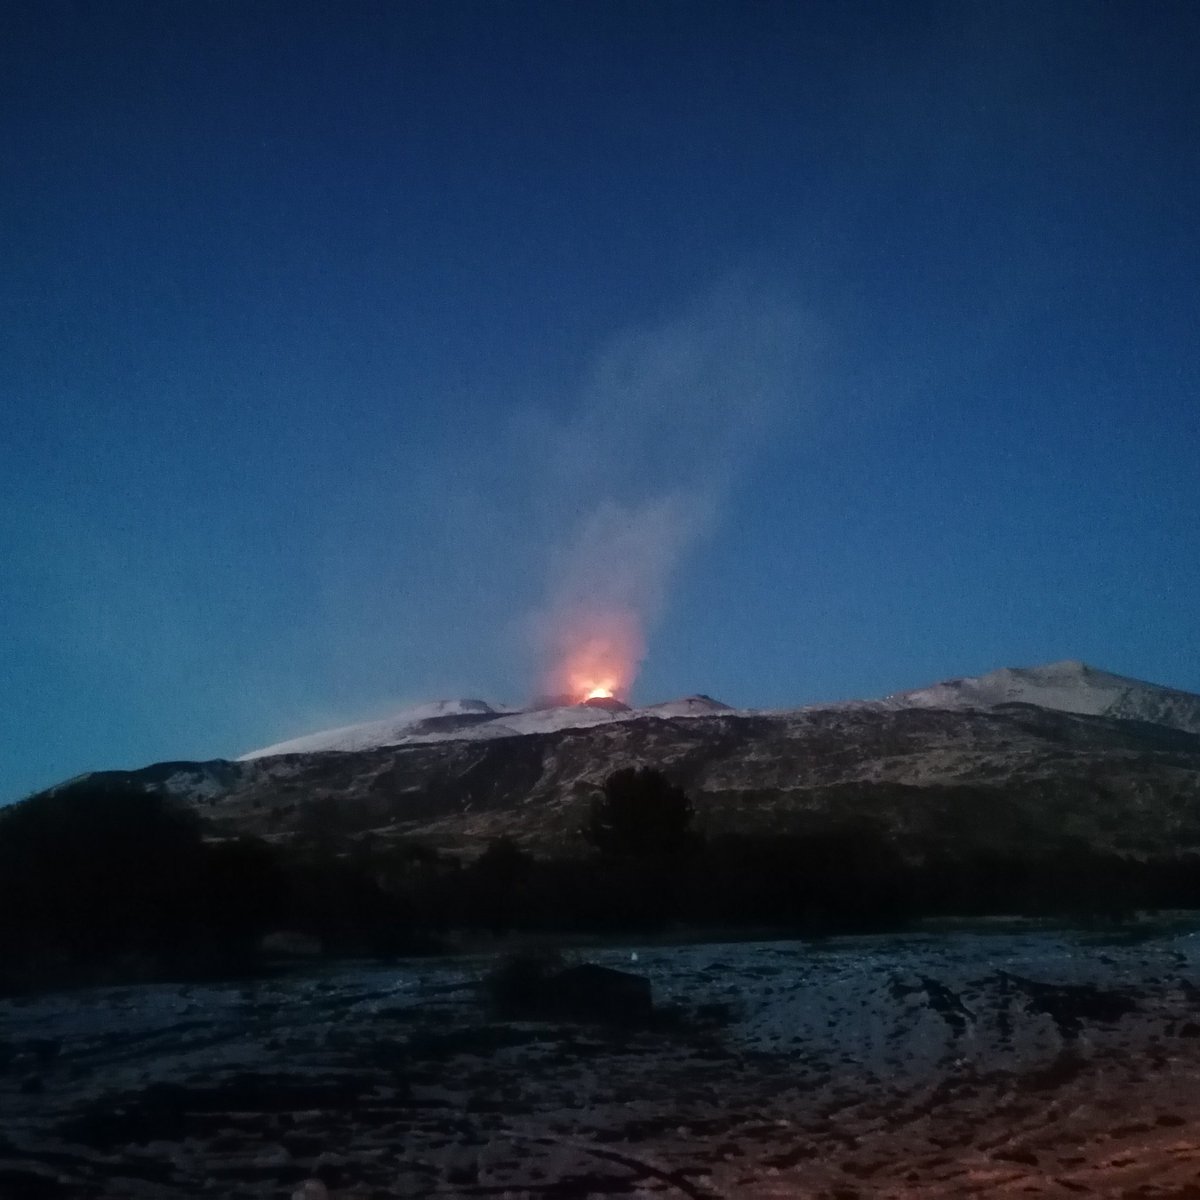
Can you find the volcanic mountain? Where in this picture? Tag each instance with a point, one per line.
(1018, 756)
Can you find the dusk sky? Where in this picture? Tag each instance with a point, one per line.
(349, 349)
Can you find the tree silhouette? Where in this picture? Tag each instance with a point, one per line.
(496, 882)
(98, 861)
(642, 814)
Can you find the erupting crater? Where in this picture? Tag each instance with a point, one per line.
(608, 702)
(593, 657)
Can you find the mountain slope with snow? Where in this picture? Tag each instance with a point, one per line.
(425, 722)
(930, 780)
(1016, 758)
(1068, 686)
(445, 720)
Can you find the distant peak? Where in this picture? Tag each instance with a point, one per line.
(608, 703)
(1068, 685)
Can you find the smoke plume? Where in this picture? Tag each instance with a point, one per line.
(667, 420)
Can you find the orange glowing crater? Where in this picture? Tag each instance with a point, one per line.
(593, 655)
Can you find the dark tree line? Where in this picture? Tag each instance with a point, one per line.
(99, 873)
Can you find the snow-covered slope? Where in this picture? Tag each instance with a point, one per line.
(443, 720)
(440, 718)
(689, 706)
(1068, 686)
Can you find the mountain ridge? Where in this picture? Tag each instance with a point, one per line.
(1066, 686)
(964, 766)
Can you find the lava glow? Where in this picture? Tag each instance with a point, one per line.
(593, 655)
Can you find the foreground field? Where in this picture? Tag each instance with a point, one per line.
(940, 1064)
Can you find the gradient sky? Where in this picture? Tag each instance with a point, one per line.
(336, 335)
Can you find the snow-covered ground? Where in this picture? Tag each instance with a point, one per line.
(941, 1064)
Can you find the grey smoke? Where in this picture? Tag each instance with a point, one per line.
(668, 419)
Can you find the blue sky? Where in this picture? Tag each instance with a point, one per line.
(347, 346)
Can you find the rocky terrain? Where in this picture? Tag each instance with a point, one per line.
(1018, 758)
(937, 1064)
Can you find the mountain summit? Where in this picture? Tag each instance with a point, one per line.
(1068, 686)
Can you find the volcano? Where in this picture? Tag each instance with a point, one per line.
(1015, 756)
(1068, 687)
